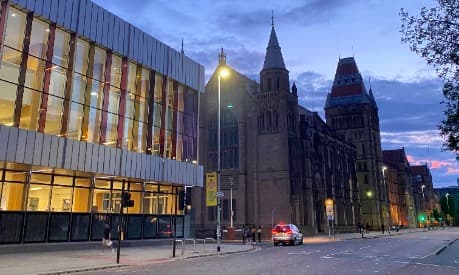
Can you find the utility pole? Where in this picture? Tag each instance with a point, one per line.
(120, 225)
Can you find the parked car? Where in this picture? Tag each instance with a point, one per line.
(287, 234)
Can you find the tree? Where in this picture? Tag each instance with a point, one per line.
(434, 35)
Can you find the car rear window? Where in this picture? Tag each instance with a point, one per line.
(282, 228)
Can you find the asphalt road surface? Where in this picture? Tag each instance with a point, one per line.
(403, 254)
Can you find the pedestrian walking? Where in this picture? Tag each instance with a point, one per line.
(382, 228)
(254, 234)
(244, 234)
(259, 233)
(106, 240)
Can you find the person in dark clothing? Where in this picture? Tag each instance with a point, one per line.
(382, 228)
(106, 240)
(244, 234)
(259, 233)
(254, 234)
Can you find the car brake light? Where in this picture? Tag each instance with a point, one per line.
(288, 232)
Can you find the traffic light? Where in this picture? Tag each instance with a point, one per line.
(181, 198)
(126, 200)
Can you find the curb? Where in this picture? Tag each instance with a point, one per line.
(221, 253)
(440, 250)
(69, 271)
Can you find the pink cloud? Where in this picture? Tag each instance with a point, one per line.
(452, 171)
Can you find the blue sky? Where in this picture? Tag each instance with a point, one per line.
(313, 34)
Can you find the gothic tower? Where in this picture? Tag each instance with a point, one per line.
(276, 175)
(353, 113)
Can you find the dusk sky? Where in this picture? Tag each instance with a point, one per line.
(313, 34)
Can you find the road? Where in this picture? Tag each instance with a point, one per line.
(402, 254)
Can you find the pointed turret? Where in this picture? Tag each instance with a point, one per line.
(348, 86)
(273, 57)
(222, 58)
(294, 89)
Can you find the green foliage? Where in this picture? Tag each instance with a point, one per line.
(436, 214)
(434, 35)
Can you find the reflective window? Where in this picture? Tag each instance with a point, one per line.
(7, 103)
(75, 121)
(10, 67)
(101, 201)
(12, 195)
(38, 199)
(81, 199)
(57, 82)
(81, 56)
(15, 29)
(111, 134)
(99, 64)
(61, 199)
(39, 38)
(54, 115)
(35, 73)
(61, 48)
(78, 88)
(115, 74)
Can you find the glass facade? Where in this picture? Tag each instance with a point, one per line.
(33, 195)
(57, 83)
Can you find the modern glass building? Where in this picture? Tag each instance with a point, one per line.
(90, 106)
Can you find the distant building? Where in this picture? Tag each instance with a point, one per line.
(397, 178)
(280, 162)
(352, 112)
(90, 106)
(424, 195)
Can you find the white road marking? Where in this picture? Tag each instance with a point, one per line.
(365, 247)
(326, 257)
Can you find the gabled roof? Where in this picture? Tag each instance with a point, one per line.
(273, 57)
(419, 170)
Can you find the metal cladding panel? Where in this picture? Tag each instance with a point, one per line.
(135, 41)
(93, 10)
(148, 167)
(81, 155)
(136, 164)
(12, 144)
(87, 18)
(157, 168)
(130, 165)
(116, 33)
(144, 48)
(75, 155)
(159, 57)
(38, 145)
(123, 163)
(131, 45)
(4, 141)
(53, 151)
(46, 8)
(54, 10)
(154, 54)
(88, 157)
(81, 16)
(94, 157)
(107, 159)
(30, 4)
(22, 141)
(188, 174)
(29, 147)
(143, 161)
(126, 42)
(110, 30)
(99, 25)
(202, 80)
(61, 152)
(67, 15)
(68, 146)
(100, 159)
(61, 12)
(38, 7)
(105, 30)
(118, 161)
(75, 19)
(22, 3)
(112, 160)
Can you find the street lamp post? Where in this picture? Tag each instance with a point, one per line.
(221, 73)
(423, 199)
(447, 204)
(369, 195)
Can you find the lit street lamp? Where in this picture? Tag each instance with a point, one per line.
(223, 72)
(369, 195)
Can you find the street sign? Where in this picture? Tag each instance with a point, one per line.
(220, 194)
(329, 209)
(330, 218)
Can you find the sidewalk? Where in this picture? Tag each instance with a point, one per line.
(68, 261)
